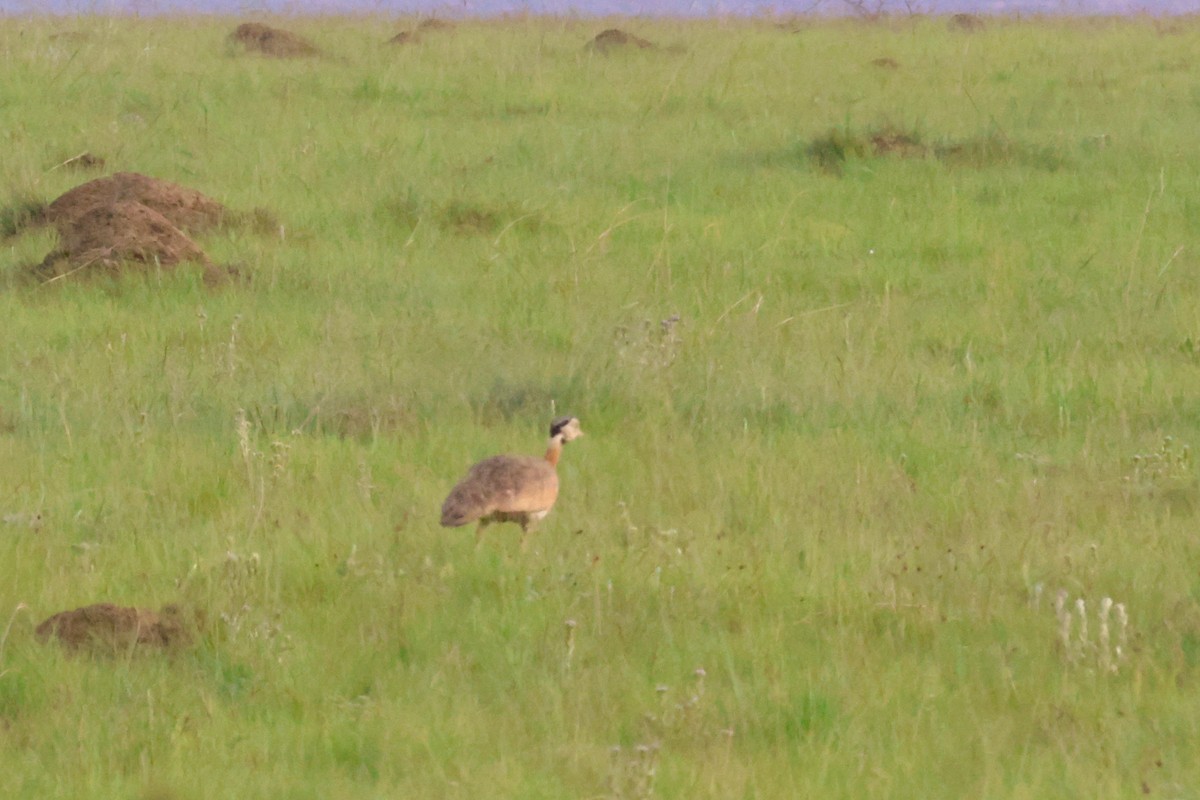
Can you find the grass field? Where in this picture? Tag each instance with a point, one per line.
(874, 360)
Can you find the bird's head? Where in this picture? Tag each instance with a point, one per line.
(565, 427)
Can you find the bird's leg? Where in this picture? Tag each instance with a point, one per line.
(524, 536)
(479, 533)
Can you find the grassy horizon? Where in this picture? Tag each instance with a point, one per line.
(873, 362)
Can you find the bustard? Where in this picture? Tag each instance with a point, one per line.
(520, 489)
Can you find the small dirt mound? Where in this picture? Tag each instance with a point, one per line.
(107, 627)
(405, 37)
(83, 161)
(186, 209)
(72, 37)
(892, 142)
(885, 63)
(425, 26)
(966, 22)
(274, 42)
(614, 38)
(831, 151)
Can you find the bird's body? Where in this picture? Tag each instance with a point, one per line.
(520, 489)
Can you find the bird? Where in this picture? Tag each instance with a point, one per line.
(508, 488)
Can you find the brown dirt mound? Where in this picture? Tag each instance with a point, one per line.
(614, 38)
(425, 26)
(966, 22)
(105, 626)
(885, 63)
(890, 142)
(1169, 27)
(130, 218)
(126, 230)
(83, 161)
(185, 208)
(69, 36)
(274, 42)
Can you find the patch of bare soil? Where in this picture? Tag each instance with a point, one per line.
(885, 63)
(107, 627)
(274, 42)
(614, 38)
(966, 22)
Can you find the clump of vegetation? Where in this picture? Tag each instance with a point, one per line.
(994, 149)
(838, 145)
(459, 216)
(831, 150)
(19, 215)
(352, 416)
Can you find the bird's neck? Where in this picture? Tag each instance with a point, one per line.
(554, 450)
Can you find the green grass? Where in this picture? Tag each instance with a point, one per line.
(908, 398)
